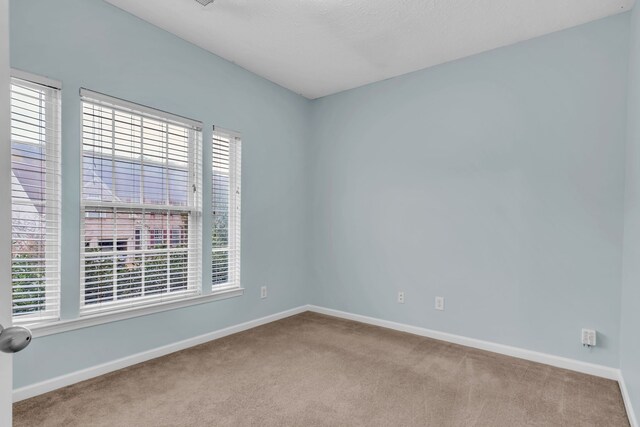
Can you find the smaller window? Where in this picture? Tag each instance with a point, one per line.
(225, 206)
(137, 238)
(105, 244)
(96, 215)
(35, 199)
(176, 237)
(157, 237)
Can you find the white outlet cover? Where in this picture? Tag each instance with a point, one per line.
(439, 303)
(588, 337)
(401, 297)
(263, 292)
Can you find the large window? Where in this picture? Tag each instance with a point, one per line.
(35, 200)
(141, 205)
(225, 234)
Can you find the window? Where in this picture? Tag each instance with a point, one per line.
(176, 235)
(142, 179)
(225, 235)
(35, 200)
(157, 237)
(137, 238)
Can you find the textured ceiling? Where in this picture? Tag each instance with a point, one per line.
(320, 47)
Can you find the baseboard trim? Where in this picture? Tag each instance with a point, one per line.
(534, 356)
(627, 402)
(95, 371)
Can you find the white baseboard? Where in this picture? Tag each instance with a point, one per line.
(627, 402)
(94, 371)
(534, 356)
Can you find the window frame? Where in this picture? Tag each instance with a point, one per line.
(193, 209)
(52, 207)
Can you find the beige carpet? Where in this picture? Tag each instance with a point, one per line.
(314, 370)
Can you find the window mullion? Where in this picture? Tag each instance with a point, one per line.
(114, 183)
(142, 171)
(143, 262)
(52, 204)
(167, 242)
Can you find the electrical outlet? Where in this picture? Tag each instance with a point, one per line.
(401, 297)
(439, 304)
(263, 292)
(589, 337)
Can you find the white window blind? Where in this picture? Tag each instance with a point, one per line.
(141, 205)
(226, 168)
(35, 201)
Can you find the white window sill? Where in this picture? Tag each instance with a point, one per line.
(44, 329)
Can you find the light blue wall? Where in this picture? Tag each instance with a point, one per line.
(495, 181)
(630, 339)
(88, 43)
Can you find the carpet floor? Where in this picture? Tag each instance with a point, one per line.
(315, 370)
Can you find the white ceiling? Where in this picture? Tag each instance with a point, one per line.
(320, 47)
